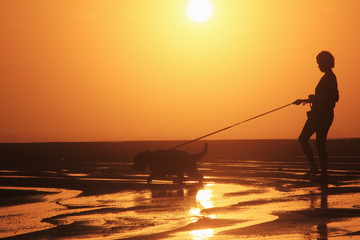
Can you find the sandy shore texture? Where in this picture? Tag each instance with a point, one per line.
(253, 189)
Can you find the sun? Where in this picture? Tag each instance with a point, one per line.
(199, 10)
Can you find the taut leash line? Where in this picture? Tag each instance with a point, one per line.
(231, 126)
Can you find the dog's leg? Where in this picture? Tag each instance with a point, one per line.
(150, 178)
(180, 178)
(196, 175)
(201, 177)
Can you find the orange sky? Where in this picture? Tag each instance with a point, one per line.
(108, 70)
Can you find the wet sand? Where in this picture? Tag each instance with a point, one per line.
(244, 198)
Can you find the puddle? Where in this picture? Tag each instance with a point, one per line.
(26, 218)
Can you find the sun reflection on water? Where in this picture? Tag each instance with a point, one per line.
(202, 234)
(204, 197)
(203, 201)
(194, 211)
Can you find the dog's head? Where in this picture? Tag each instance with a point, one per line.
(141, 161)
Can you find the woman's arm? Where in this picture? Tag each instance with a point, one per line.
(304, 101)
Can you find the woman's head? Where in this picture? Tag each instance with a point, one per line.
(325, 60)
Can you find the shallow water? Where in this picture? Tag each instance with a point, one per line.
(26, 218)
(239, 200)
(175, 212)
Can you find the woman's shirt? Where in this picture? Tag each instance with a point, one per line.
(326, 94)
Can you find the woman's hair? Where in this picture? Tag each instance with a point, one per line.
(326, 58)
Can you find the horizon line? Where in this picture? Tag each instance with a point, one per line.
(175, 140)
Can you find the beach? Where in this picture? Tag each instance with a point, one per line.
(252, 189)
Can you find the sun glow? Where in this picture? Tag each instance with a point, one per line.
(199, 10)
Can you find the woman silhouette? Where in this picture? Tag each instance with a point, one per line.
(321, 116)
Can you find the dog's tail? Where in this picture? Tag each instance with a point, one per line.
(200, 155)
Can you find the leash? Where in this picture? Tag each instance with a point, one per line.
(231, 126)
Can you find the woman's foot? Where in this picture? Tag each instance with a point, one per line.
(312, 172)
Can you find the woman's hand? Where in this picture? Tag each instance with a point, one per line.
(301, 101)
(311, 98)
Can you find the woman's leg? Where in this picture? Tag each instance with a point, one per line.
(307, 131)
(321, 137)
